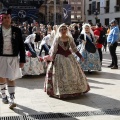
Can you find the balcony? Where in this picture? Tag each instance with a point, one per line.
(117, 8)
(106, 9)
(89, 12)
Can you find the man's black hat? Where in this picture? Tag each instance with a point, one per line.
(6, 11)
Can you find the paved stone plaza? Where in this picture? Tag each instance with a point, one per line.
(105, 94)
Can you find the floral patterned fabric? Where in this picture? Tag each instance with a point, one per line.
(65, 77)
(91, 60)
(32, 67)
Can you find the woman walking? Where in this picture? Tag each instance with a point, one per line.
(91, 60)
(64, 77)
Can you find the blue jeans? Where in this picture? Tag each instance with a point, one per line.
(46, 48)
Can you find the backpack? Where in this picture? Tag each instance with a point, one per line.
(102, 37)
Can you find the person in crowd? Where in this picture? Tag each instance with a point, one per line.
(64, 77)
(99, 45)
(108, 30)
(91, 60)
(36, 27)
(12, 46)
(38, 39)
(30, 44)
(33, 65)
(105, 43)
(45, 45)
(53, 33)
(42, 28)
(25, 31)
(36, 30)
(49, 29)
(30, 28)
(76, 34)
(112, 41)
(80, 27)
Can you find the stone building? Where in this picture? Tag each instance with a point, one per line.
(46, 12)
(77, 13)
(40, 10)
(102, 11)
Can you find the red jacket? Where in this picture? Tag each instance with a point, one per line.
(97, 32)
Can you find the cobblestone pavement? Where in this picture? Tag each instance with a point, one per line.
(104, 94)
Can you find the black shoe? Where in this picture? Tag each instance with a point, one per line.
(110, 66)
(5, 100)
(114, 67)
(11, 102)
(12, 105)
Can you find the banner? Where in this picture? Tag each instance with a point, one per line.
(23, 13)
(102, 3)
(67, 13)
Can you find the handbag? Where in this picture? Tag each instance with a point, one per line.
(89, 46)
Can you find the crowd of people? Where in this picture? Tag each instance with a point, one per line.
(63, 52)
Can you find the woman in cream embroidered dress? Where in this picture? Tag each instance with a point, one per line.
(64, 77)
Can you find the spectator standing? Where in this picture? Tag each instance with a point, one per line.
(112, 41)
(76, 34)
(97, 32)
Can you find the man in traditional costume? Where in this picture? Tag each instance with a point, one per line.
(11, 46)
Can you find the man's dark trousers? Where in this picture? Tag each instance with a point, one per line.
(112, 49)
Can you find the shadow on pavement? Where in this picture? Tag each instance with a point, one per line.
(97, 82)
(105, 75)
(28, 111)
(31, 82)
(94, 87)
(96, 101)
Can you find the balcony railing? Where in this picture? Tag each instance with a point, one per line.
(89, 12)
(106, 9)
(117, 8)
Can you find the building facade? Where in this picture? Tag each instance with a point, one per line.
(77, 13)
(46, 11)
(102, 11)
(22, 10)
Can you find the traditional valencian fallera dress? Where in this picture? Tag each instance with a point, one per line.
(64, 77)
(33, 65)
(91, 60)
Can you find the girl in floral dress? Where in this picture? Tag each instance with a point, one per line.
(33, 65)
(64, 77)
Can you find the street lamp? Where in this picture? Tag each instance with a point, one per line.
(96, 13)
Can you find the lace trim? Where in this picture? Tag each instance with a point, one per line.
(63, 46)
